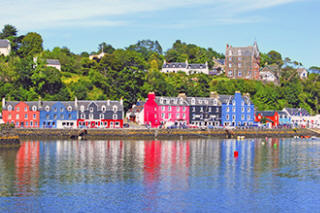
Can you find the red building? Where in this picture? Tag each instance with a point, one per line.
(21, 114)
(270, 117)
(166, 110)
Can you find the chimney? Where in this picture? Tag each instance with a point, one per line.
(151, 96)
(187, 61)
(3, 102)
(76, 101)
(121, 101)
(182, 95)
(108, 102)
(214, 94)
(39, 102)
(227, 46)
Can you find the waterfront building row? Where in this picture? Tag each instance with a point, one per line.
(216, 110)
(63, 114)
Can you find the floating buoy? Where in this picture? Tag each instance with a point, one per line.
(262, 143)
(275, 145)
(235, 154)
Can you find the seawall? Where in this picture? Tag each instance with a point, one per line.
(157, 133)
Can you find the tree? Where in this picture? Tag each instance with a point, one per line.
(106, 48)
(146, 48)
(274, 57)
(7, 31)
(31, 45)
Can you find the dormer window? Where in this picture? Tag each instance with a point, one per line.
(91, 109)
(47, 108)
(25, 109)
(206, 101)
(9, 108)
(161, 100)
(215, 102)
(193, 101)
(115, 116)
(230, 53)
(61, 109)
(103, 108)
(82, 108)
(115, 108)
(69, 108)
(200, 101)
(55, 109)
(34, 108)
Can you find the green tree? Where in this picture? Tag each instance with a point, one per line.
(31, 45)
(7, 31)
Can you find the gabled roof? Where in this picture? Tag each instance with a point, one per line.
(174, 101)
(53, 62)
(203, 101)
(197, 66)
(266, 113)
(301, 70)
(99, 104)
(4, 43)
(297, 112)
(174, 65)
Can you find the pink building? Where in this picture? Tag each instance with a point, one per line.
(166, 110)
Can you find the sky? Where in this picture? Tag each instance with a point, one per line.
(290, 27)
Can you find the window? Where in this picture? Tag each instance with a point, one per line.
(228, 109)
(242, 117)
(239, 52)
(47, 108)
(25, 109)
(184, 109)
(178, 115)
(248, 109)
(184, 116)
(169, 116)
(83, 116)
(54, 116)
(239, 58)
(9, 116)
(178, 109)
(91, 109)
(162, 115)
(242, 109)
(17, 116)
(230, 52)
(209, 109)
(161, 100)
(103, 108)
(17, 124)
(200, 101)
(55, 109)
(239, 65)
(193, 101)
(239, 73)
(242, 103)
(47, 116)
(115, 109)
(34, 108)
(193, 109)
(91, 116)
(62, 116)
(69, 116)
(233, 117)
(61, 109)
(101, 116)
(228, 117)
(27, 123)
(201, 109)
(69, 108)
(82, 108)
(31, 123)
(26, 116)
(248, 117)
(230, 73)
(233, 109)
(162, 108)
(9, 108)
(215, 102)
(233, 102)
(115, 116)
(230, 65)
(217, 109)
(169, 108)
(18, 109)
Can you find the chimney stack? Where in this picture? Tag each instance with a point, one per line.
(214, 94)
(76, 101)
(3, 102)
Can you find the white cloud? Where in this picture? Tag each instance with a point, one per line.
(35, 14)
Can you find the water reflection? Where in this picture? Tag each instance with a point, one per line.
(153, 175)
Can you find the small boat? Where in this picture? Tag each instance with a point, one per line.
(315, 138)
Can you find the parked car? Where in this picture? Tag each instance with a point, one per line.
(126, 125)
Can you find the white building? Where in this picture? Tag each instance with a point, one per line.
(5, 47)
(98, 56)
(302, 118)
(270, 73)
(303, 73)
(185, 67)
(136, 113)
(54, 63)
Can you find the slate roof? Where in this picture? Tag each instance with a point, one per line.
(297, 111)
(200, 101)
(244, 51)
(282, 113)
(4, 43)
(174, 101)
(102, 103)
(266, 113)
(53, 62)
(174, 65)
(301, 70)
(197, 66)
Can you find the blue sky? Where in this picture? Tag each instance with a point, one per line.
(288, 26)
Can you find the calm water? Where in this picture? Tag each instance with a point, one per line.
(198, 175)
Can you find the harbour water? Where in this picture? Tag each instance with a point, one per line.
(196, 175)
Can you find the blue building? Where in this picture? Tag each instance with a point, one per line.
(237, 110)
(56, 114)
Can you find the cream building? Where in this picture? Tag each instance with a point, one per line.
(5, 47)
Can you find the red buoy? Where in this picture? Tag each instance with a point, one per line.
(235, 154)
